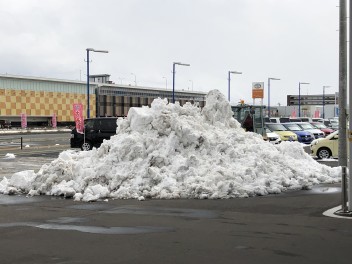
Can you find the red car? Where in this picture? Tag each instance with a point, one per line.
(322, 127)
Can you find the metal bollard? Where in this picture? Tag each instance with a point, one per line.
(21, 143)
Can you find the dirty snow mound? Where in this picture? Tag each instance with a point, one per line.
(170, 151)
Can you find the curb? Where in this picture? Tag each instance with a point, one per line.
(31, 131)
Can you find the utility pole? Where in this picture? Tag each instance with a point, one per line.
(343, 101)
(350, 113)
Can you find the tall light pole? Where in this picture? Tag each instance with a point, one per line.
(324, 100)
(229, 80)
(165, 82)
(88, 50)
(192, 84)
(274, 79)
(299, 97)
(173, 77)
(135, 79)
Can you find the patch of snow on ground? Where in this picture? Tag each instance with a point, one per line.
(10, 156)
(167, 151)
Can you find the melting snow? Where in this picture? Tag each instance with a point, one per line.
(10, 156)
(167, 151)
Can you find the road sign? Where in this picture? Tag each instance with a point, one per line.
(257, 90)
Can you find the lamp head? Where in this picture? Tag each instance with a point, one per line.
(183, 64)
(94, 50)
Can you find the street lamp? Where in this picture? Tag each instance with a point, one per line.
(324, 100)
(165, 81)
(192, 84)
(233, 72)
(274, 79)
(299, 97)
(135, 79)
(88, 50)
(173, 77)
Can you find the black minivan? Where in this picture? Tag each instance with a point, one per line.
(96, 130)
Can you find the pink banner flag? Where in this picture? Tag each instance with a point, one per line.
(317, 113)
(293, 114)
(78, 116)
(54, 121)
(23, 120)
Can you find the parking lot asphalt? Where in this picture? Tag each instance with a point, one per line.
(287, 228)
(284, 228)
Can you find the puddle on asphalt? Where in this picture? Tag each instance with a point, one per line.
(107, 230)
(18, 199)
(67, 220)
(92, 229)
(322, 190)
(91, 206)
(181, 212)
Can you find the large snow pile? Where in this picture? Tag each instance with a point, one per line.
(168, 151)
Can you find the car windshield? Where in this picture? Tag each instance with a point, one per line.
(293, 127)
(89, 124)
(295, 120)
(304, 119)
(276, 127)
(306, 126)
(319, 125)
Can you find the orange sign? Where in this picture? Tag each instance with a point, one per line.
(258, 90)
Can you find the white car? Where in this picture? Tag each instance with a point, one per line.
(272, 137)
(325, 148)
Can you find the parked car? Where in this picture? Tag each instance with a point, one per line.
(295, 119)
(284, 134)
(308, 127)
(284, 119)
(5, 124)
(266, 120)
(95, 131)
(274, 120)
(332, 123)
(305, 119)
(302, 136)
(271, 137)
(324, 148)
(317, 119)
(322, 127)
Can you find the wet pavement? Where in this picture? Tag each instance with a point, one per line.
(287, 228)
(284, 228)
(8, 166)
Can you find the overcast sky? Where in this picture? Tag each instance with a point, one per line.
(294, 40)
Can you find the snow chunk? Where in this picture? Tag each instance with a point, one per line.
(10, 156)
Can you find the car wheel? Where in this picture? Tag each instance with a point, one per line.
(324, 153)
(86, 146)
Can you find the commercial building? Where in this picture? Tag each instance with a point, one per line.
(42, 98)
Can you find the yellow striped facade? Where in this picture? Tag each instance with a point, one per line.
(42, 103)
